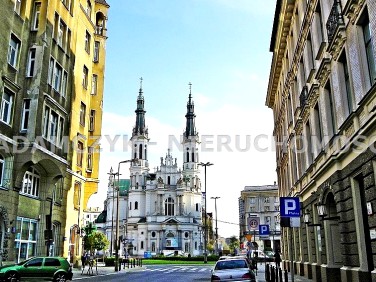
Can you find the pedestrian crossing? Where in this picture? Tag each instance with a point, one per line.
(170, 269)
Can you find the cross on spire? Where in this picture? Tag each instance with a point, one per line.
(190, 87)
(141, 79)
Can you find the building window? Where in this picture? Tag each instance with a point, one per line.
(82, 114)
(85, 73)
(136, 205)
(90, 151)
(80, 153)
(197, 207)
(2, 167)
(17, 6)
(92, 121)
(142, 245)
(252, 209)
(31, 63)
(55, 247)
(58, 193)
(25, 115)
(345, 76)
(77, 195)
(169, 206)
(130, 205)
(57, 77)
(267, 219)
(31, 183)
(252, 200)
(87, 42)
(36, 15)
(96, 51)
(88, 9)
(94, 85)
(26, 238)
(276, 199)
(7, 106)
(53, 125)
(186, 247)
(276, 208)
(367, 37)
(330, 109)
(266, 208)
(318, 127)
(266, 200)
(13, 51)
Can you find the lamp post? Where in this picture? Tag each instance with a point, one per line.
(111, 184)
(216, 226)
(117, 243)
(205, 225)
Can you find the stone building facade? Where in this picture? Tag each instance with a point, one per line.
(322, 92)
(262, 202)
(43, 45)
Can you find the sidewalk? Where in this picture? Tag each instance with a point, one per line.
(261, 275)
(102, 270)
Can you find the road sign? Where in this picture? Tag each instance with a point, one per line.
(290, 207)
(264, 230)
(253, 222)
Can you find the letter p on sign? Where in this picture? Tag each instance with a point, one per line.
(290, 207)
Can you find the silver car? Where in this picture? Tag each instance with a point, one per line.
(232, 269)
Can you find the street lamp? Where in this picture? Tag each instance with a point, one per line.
(117, 243)
(205, 226)
(216, 226)
(111, 184)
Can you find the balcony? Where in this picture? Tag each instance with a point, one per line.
(335, 20)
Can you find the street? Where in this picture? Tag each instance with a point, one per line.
(156, 273)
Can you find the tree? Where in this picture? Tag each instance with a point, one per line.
(95, 241)
(234, 244)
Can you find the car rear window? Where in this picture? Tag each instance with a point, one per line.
(51, 262)
(231, 264)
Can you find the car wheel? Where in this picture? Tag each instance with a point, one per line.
(60, 277)
(12, 277)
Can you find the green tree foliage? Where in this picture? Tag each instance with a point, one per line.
(95, 241)
(234, 243)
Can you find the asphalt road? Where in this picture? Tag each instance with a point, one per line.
(158, 273)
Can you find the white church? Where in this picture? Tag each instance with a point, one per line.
(160, 211)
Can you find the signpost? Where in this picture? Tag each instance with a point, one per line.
(264, 231)
(290, 207)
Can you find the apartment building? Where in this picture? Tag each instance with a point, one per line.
(48, 109)
(322, 92)
(262, 202)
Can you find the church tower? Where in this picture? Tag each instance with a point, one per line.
(190, 145)
(139, 142)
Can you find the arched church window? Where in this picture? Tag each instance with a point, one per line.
(168, 180)
(193, 157)
(169, 206)
(140, 151)
(130, 205)
(136, 205)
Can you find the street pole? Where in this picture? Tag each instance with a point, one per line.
(117, 240)
(291, 255)
(216, 226)
(205, 224)
(111, 184)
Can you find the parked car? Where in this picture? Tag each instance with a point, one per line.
(232, 269)
(56, 269)
(260, 256)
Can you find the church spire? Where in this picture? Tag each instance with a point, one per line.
(140, 113)
(190, 129)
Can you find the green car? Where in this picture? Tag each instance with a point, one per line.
(56, 269)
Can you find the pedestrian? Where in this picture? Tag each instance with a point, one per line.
(277, 259)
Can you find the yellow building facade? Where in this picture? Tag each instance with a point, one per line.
(52, 63)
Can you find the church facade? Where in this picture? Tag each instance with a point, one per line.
(162, 210)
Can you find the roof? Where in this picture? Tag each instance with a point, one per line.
(261, 188)
(275, 25)
(124, 186)
(102, 217)
(103, 2)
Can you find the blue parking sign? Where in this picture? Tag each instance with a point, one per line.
(290, 207)
(264, 229)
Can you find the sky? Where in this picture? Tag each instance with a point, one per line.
(222, 48)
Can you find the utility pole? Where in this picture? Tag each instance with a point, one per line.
(205, 225)
(216, 226)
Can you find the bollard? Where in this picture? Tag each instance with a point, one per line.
(276, 274)
(267, 272)
(120, 264)
(280, 275)
(272, 275)
(134, 263)
(128, 263)
(286, 276)
(141, 262)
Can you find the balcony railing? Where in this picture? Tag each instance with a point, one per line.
(335, 20)
(303, 96)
